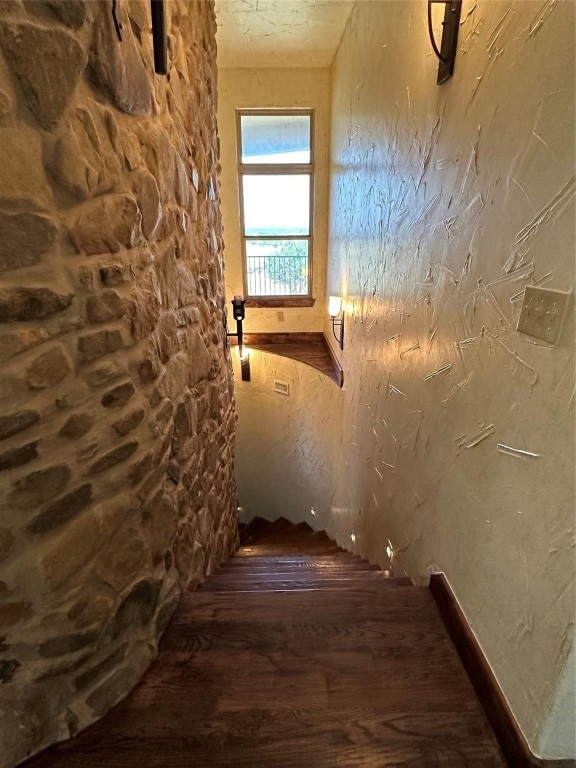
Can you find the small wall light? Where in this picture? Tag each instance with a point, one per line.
(335, 309)
(239, 313)
(159, 36)
(449, 43)
(245, 364)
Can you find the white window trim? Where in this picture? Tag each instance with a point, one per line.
(288, 169)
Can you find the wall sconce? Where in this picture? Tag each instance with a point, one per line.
(449, 44)
(335, 309)
(245, 364)
(159, 37)
(239, 313)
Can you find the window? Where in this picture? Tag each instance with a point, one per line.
(276, 199)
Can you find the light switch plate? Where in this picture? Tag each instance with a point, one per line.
(543, 312)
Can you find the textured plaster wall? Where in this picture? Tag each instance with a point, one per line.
(280, 88)
(284, 444)
(116, 405)
(446, 202)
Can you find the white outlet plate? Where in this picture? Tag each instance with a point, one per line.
(543, 312)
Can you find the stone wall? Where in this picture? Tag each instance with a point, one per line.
(116, 404)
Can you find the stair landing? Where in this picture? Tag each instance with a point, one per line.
(295, 654)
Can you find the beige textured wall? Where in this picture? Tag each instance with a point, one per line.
(116, 406)
(447, 201)
(280, 88)
(284, 444)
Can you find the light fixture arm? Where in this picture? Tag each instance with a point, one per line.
(449, 45)
(431, 31)
(340, 325)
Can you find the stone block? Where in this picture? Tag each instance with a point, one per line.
(84, 161)
(105, 373)
(103, 307)
(141, 468)
(148, 196)
(17, 457)
(163, 417)
(38, 487)
(137, 607)
(6, 542)
(149, 370)
(176, 377)
(21, 304)
(21, 148)
(26, 237)
(12, 613)
(183, 424)
(98, 344)
(167, 336)
(63, 510)
(119, 683)
(65, 644)
(200, 359)
(119, 396)
(106, 224)
(77, 425)
(17, 422)
(144, 311)
(186, 286)
(107, 665)
(47, 62)
(129, 423)
(123, 560)
(119, 69)
(114, 457)
(116, 274)
(182, 182)
(71, 12)
(80, 541)
(8, 668)
(6, 104)
(48, 369)
(75, 166)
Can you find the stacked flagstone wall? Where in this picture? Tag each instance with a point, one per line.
(116, 404)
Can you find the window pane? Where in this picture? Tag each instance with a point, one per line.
(277, 267)
(276, 205)
(275, 138)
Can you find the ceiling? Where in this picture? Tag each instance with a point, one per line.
(279, 33)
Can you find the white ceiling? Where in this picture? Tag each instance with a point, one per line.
(279, 33)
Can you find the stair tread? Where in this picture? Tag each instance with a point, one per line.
(377, 577)
(365, 588)
(277, 661)
(241, 557)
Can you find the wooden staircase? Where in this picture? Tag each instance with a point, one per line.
(295, 654)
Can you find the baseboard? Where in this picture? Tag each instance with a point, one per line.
(508, 734)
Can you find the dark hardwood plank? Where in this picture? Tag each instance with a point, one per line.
(349, 668)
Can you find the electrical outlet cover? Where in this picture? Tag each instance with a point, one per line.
(282, 387)
(543, 312)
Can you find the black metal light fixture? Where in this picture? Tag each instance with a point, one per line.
(159, 37)
(239, 313)
(335, 309)
(449, 43)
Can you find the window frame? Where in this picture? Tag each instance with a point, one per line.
(276, 169)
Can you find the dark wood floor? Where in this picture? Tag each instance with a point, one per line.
(307, 658)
